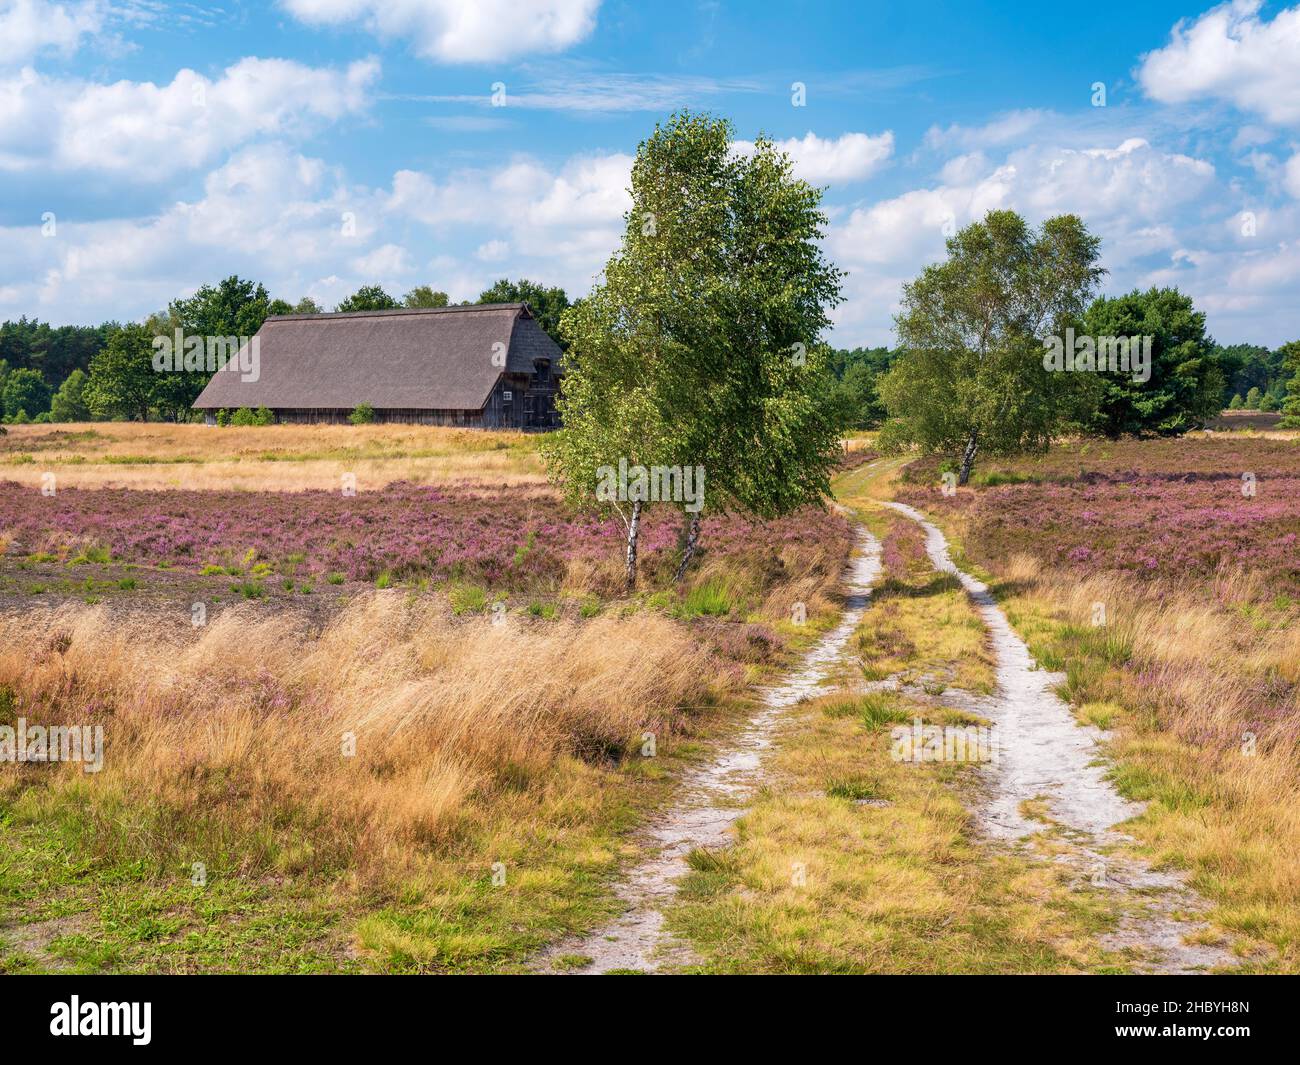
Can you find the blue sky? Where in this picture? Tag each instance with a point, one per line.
(318, 145)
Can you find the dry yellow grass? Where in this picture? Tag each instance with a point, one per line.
(232, 746)
(268, 458)
(1198, 691)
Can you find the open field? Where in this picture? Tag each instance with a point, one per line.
(284, 458)
(409, 733)
(394, 700)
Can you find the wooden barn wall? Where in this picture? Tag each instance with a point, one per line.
(531, 406)
(465, 419)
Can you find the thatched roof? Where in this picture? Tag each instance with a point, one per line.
(431, 359)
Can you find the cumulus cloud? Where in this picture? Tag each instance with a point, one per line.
(1292, 176)
(267, 213)
(296, 224)
(452, 31)
(146, 132)
(573, 215)
(1231, 54)
(823, 160)
(29, 28)
(1125, 193)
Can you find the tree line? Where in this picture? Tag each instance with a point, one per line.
(81, 373)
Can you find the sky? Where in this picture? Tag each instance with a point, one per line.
(147, 148)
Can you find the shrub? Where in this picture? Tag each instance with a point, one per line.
(364, 414)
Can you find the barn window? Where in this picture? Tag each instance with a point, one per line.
(507, 396)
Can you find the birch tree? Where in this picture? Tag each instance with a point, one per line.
(701, 347)
(971, 378)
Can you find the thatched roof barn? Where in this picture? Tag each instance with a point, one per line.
(485, 366)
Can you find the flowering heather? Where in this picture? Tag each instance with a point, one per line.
(502, 538)
(1184, 515)
(901, 548)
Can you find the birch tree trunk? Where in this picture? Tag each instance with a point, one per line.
(967, 459)
(692, 539)
(633, 529)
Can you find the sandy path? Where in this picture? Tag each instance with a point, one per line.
(711, 799)
(1046, 756)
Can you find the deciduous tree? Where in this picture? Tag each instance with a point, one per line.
(971, 376)
(701, 346)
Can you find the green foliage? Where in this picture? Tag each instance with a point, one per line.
(369, 298)
(233, 307)
(248, 416)
(1186, 385)
(53, 351)
(1237, 402)
(424, 296)
(1252, 399)
(1291, 404)
(69, 404)
(701, 347)
(25, 390)
(851, 390)
(547, 304)
(364, 414)
(1246, 366)
(1268, 404)
(122, 376)
(971, 375)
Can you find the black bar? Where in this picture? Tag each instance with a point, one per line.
(215, 1014)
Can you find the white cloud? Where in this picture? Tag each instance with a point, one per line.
(385, 264)
(454, 31)
(298, 226)
(574, 86)
(1126, 194)
(31, 27)
(572, 217)
(1292, 178)
(1005, 129)
(821, 160)
(492, 251)
(1230, 53)
(145, 131)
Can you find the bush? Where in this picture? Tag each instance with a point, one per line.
(363, 415)
(1237, 402)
